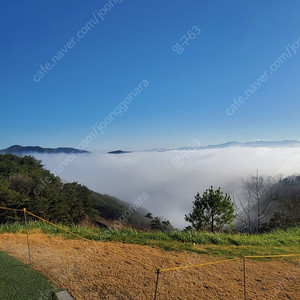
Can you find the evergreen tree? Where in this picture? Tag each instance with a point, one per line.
(211, 211)
(157, 224)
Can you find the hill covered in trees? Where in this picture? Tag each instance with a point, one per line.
(25, 183)
(122, 213)
(21, 150)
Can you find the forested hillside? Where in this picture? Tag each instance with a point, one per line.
(112, 208)
(25, 183)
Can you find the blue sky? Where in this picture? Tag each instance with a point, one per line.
(188, 93)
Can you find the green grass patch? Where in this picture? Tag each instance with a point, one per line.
(276, 242)
(19, 282)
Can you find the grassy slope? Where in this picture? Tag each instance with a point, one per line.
(19, 282)
(277, 242)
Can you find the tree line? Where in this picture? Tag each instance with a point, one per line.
(263, 204)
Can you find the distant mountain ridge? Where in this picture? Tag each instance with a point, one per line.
(20, 150)
(119, 152)
(17, 149)
(256, 144)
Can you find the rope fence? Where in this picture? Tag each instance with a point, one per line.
(11, 209)
(83, 238)
(158, 271)
(200, 265)
(243, 258)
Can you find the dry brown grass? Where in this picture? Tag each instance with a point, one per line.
(89, 271)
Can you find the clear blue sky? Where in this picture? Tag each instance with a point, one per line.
(188, 93)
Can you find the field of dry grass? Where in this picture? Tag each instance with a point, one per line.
(90, 271)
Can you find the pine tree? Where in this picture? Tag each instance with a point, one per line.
(211, 211)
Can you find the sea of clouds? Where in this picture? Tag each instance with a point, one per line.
(171, 186)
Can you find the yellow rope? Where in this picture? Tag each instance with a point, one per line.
(279, 255)
(70, 232)
(12, 209)
(199, 265)
(81, 237)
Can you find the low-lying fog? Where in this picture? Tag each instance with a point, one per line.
(172, 178)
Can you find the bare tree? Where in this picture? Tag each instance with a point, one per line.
(256, 202)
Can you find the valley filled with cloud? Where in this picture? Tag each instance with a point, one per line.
(171, 186)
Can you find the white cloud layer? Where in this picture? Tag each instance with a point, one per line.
(172, 188)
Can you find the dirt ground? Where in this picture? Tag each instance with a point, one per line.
(88, 270)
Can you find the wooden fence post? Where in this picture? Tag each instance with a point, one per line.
(244, 271)
(156, 285)
(25, 217)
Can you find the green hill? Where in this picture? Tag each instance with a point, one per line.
(112, 208)
(24, 182)
(21, 150)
